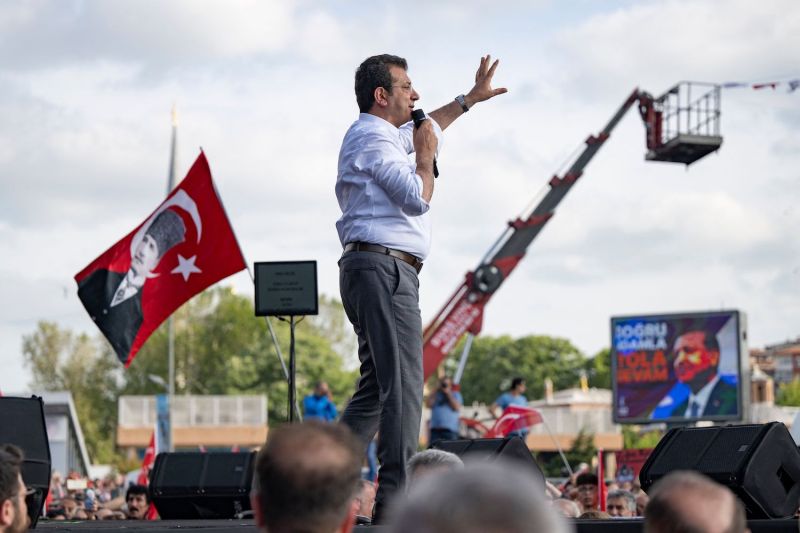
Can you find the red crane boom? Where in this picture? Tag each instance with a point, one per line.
(667, 139)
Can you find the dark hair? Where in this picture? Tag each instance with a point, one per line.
(587, 478)
(137, 489)
(307, 475)
(10, 469)
(516, 382)
(372, 73)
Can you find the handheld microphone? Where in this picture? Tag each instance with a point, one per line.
(418, 115)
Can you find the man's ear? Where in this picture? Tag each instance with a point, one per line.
(349, 521)
(380, 97)
(7, 513)
(255, 504)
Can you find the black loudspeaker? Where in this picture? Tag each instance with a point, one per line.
(202, 485)
(22, 424)
(760, 463)
(510, 449)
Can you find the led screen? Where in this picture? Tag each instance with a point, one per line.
(676, 368)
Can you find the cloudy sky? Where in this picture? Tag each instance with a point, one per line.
(265, 87)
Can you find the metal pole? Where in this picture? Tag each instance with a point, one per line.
(463, 362)
(173, 163)
(291, 371)
(558, 447)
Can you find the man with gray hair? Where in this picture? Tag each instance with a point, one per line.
(688, 502)
(481, 498)
(427, 462)
(621, 504)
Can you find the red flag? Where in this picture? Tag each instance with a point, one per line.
(144, 474)
(602, 491)
(184, 246)
(147, 462)
(514, 418)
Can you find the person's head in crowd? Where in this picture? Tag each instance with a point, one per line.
(480, 498)
(612, 486)
(13, 509)
(621, 503)
(69, 505)
(586, 485)
(430, 462)
(517, 385)
(138, 501)
(366, 498)
(566, 508)
(641, 502)
(594, 514)
(307, 478)
(688, 502)
(321, 389)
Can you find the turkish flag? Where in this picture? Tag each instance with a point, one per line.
(514, 418)
(184, 246)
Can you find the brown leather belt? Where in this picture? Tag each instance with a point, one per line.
(402, 256)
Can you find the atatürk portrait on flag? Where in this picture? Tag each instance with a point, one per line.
(114, 299)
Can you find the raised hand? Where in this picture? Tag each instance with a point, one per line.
(482, 90)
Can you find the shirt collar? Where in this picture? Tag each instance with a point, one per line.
(376, 120)
(702, 397)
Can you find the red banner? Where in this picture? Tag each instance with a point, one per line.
(184, 246)
(629, 463)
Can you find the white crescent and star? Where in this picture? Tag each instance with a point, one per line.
(186, 267)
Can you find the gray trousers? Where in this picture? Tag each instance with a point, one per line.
(381, 298)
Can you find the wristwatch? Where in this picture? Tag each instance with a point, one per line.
(460, 100)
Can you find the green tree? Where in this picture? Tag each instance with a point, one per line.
(634, 439)
(789, 393)
(61, 360)
(494, 361)
(598, 369)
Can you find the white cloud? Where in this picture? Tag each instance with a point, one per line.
(266, 89)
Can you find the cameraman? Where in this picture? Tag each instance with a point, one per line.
(445, 404)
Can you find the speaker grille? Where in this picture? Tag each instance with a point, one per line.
(729, 450)
(682, 453)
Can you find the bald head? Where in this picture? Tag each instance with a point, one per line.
(688, 502)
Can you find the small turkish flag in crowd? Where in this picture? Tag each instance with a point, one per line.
(184, 246)
(514, 418)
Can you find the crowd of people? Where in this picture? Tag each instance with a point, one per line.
(308, 478)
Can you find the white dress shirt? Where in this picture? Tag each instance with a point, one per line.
(378, 190)
(701, 398)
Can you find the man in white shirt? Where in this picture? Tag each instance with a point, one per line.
(385, 232)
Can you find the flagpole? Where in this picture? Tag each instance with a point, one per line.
(173, 164)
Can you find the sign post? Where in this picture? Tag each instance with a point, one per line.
(287, 289)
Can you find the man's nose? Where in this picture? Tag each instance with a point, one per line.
(414, 94)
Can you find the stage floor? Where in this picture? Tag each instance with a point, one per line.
(242, 526)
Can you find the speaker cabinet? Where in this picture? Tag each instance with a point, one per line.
(759, 463)
(202, 485)
(510, 449)
(22, 424)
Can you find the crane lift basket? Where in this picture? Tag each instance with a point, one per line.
(681, 126)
